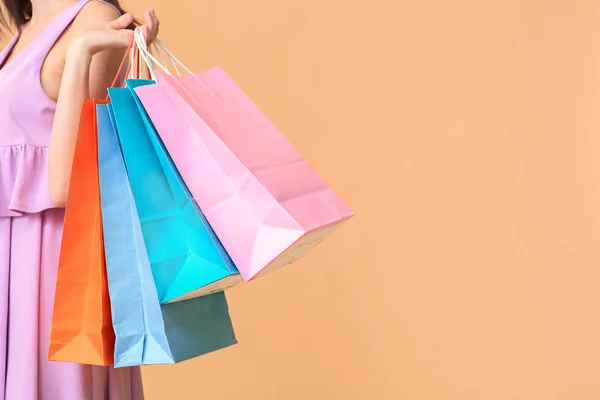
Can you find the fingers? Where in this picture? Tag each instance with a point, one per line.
(151, 27)
(122, 22)
(96, 41)
(118, 39)
(128, 36)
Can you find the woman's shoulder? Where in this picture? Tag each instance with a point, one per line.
(94, 14)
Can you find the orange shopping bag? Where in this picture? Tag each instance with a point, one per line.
(82, 329)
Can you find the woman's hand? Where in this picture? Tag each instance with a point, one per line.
(94, 53)
(114, 35)
(151, 27)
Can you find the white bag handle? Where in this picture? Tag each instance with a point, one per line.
(132, 51)
(150, 60)
(142, 47)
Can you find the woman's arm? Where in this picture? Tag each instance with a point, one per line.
(91, 63)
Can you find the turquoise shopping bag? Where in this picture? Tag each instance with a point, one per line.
(186, 257)
(146, 332)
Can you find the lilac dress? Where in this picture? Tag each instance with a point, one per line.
(30, 235)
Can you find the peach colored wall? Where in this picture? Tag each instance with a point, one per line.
(466, 134)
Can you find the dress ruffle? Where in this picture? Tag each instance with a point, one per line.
(24, 180)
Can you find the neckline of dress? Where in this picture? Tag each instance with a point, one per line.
(8, 51)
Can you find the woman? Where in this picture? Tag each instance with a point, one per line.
(65, 51)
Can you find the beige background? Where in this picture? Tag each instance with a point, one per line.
(466, 134)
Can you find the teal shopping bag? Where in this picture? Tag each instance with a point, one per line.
(186, 257)
(146, 332)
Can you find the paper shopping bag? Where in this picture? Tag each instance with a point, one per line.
(127, 264)
(187, 258)
(146, 332)
(82, 329)
(267, 205)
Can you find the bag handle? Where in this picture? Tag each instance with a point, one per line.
(136, 59)
(129, 54)
(133, 55)
(151, 61)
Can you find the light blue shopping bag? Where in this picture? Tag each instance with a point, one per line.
(187, 258)
(146, 332)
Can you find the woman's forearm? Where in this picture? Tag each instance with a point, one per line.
(95, 52)
(75, 87)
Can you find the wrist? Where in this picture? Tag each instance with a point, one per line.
(79, 50)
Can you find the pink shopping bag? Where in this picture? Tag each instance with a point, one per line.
(266, 204)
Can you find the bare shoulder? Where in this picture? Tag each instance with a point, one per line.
(94, 14)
